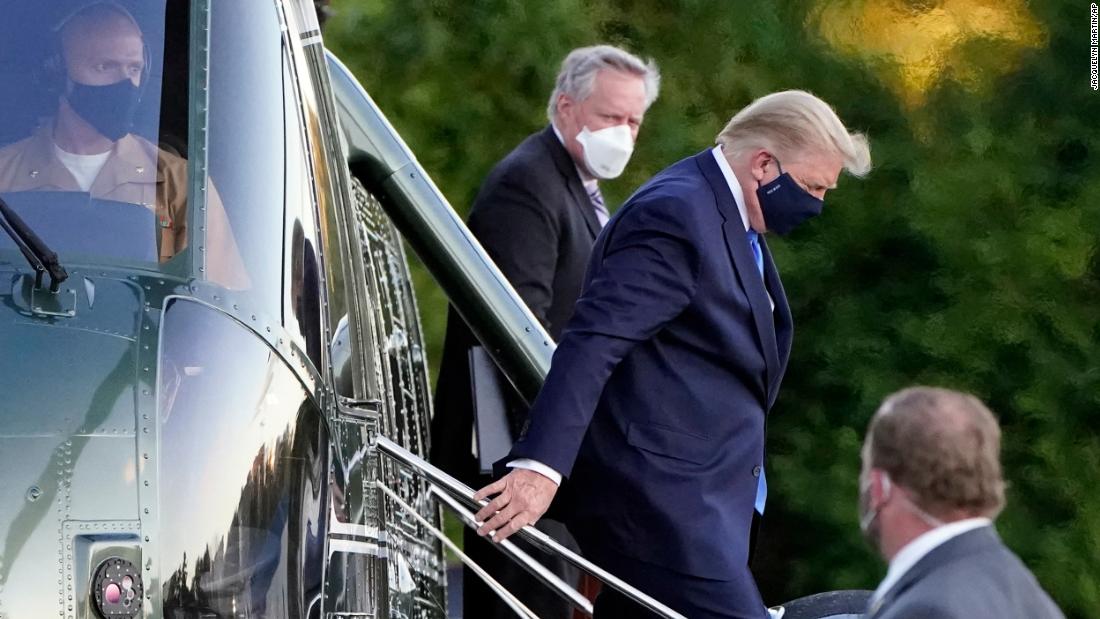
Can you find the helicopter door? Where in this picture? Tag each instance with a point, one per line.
(378, 364)
(356, 555)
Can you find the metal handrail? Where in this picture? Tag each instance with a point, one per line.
(509, 599)
(538, 570)
(541, 540)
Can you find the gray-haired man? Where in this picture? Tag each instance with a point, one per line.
(537, 215)
(930, 487)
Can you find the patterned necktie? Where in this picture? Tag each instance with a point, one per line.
(762, 481)
(597, 202)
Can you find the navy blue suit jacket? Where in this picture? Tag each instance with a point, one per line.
(655, 404)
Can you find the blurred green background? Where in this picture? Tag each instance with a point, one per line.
(968, 258)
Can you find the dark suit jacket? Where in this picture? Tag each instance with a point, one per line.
(656, 399)
(972, 576)
(535, 220)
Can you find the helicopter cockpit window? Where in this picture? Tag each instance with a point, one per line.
(87, 158)
(246, 135)
(94, 126)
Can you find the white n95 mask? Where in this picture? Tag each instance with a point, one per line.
(606, 151)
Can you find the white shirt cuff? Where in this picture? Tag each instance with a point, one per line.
(538, 467)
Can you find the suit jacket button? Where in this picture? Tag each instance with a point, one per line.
(756, 471)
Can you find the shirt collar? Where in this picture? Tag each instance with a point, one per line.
(731, 180)
(138, 158)
(590, 183)
(557, 132)
(920, 546)
(47, 170)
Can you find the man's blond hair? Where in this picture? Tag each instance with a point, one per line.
(792, 124)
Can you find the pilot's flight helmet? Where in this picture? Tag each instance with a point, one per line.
(53, 67)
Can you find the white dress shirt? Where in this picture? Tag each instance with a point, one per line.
(921, 545)
(735, 186)
(738, 197)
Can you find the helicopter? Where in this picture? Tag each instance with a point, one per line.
(216, 397)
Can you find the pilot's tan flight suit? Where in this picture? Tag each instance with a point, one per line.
(137, 172)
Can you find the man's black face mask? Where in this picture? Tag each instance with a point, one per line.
(786, 204)
(110, 109)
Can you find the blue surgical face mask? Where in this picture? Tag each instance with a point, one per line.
(786, 204)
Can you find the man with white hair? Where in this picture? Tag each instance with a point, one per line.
(656, 400)
(930, 487)
(537, 215)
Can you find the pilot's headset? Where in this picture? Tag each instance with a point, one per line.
(54, 72)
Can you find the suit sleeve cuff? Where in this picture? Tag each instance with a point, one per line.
(538, 467)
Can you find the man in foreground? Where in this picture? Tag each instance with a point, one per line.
(930, 488)
(537, 215)
(655, 404)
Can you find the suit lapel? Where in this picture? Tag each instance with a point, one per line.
(568, 170)
(907, 580)
(953, 549)
(744, 263)
(782, 319)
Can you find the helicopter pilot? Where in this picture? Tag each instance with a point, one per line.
(87, 145)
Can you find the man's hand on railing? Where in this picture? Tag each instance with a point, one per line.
(522, 497)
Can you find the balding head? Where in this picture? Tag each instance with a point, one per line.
(943, 446)
(104, 60)
(102, 44)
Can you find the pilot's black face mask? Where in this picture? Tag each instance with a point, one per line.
(110, 109)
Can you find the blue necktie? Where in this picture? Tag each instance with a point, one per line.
(762, 481)
(754, 243)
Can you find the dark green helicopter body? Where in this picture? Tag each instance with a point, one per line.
(216, 438)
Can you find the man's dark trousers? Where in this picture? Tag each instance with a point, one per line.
(535, 220)
(693, 597)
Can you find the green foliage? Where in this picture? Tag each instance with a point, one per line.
(968, 258)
